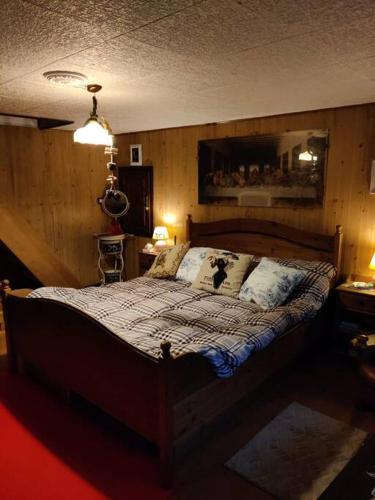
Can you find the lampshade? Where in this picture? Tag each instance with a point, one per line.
(160, 233)
(93, 133)
(307, 156)
(95, 130)
(371, 266)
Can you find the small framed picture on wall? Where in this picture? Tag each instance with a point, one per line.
(135, 154)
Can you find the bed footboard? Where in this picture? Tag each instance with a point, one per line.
(80, 355)
(166, 400)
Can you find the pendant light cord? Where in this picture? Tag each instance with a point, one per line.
(94, 107)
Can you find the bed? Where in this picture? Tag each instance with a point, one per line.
(169, 397)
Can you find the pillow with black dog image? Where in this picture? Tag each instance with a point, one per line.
(223, 273)
(167, 261)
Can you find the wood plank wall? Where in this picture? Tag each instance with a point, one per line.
(173, 153)
(54, 183)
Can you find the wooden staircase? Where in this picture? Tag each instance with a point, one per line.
(36, 255)
(27, 260)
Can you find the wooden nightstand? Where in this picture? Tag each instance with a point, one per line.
(356, 305)
(145, 261)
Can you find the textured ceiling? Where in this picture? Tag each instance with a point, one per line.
(165, 63)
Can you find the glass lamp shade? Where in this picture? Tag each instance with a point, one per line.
(371, 266)
(93, 133)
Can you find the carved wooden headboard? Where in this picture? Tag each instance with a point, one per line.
(266, 238)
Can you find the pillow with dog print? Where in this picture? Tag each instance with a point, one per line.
(167, 261)
(192, 262)
(223, 273)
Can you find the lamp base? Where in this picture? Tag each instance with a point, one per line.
(160, 245)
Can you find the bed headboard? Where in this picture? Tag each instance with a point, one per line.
(266, 238)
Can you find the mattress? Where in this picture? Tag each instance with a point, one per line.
(146, 311)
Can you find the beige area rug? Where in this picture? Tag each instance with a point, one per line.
(298, 454)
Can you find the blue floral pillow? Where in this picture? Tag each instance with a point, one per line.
(270, 284)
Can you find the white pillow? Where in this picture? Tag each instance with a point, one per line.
(192, 262)
(270, 284)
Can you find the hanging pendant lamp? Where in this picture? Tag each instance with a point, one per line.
(95, 130)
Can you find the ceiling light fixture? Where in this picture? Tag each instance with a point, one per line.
(66, 78)
(307, 156)
(96, 130)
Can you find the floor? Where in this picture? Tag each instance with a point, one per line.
(323, 382)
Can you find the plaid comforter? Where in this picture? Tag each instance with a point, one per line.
(145, 311)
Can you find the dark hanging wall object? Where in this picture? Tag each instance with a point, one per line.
(137, 183)
(115, 203)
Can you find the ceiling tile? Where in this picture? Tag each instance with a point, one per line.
(183, 61)
(352, 40)
(111, 83)
(123, 56)
(337, 12)
(299, 16)
(11, 105)
(364, 67)
(115, 16)
(336, 84)
(31, 37)
(204, 30)
(38, 93)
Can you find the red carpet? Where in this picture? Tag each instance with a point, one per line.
(51, 451)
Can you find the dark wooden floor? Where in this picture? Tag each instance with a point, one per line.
(323, 382)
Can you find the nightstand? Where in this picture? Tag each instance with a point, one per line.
(145, 261)
(356, 305)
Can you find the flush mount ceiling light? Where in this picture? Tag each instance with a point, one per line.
(66, 78)
(96, 130)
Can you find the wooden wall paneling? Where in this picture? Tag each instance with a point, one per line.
(348, 177)
(367, 242)
(53, 184)
(173, 153)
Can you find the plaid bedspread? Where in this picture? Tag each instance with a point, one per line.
(145, 311)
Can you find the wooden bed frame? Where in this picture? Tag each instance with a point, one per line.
(166, 400)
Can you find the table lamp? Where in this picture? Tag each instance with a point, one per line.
(161, 235)
(371, 266)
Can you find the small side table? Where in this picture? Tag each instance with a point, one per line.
(145, 261)
(356, 303)
(111, 262)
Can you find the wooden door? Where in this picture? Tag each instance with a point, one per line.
(137, 184)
